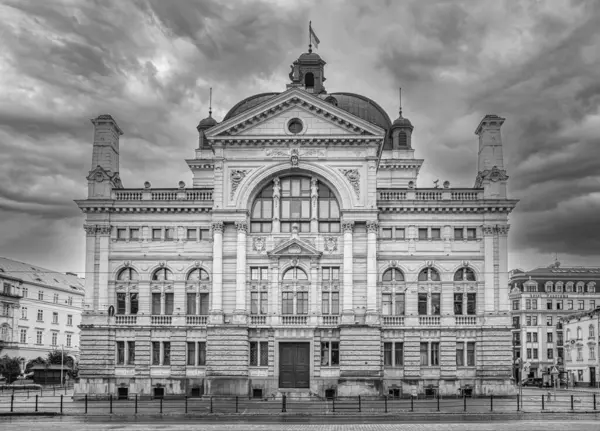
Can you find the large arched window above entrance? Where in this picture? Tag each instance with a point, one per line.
(127, 274)
(464, 274)
(295, 194)
(295, 273)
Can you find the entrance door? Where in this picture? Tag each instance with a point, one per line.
(593, 377)
(294, 365)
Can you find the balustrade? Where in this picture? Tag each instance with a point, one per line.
(294, 320)
(163, 195)
(329, 320)
(195, 320)
(393, 320)
(125, 320)
(465, 320)
(161, 320)
(429, 320)
(258, 320)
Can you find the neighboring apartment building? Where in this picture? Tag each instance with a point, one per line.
(539, 298)
(303, 258)
(582, 342)
(41, 310)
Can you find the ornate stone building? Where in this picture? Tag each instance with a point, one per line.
(303, 259)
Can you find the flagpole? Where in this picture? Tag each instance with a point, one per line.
(309, 40)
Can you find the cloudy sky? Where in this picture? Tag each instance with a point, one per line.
(150, 64)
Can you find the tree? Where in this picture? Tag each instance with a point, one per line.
(54, 357)
(37, 361)
(10, 367)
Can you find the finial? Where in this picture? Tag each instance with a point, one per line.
(400, 100)
(210, 103)
(309, 37)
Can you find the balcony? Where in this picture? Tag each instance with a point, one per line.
(294, 320)
(195, 320)
(125, 319)
(161, 320)
(258, 320)
(329, 320)
(465, 320)
(10, 294)
(162, 195)
(393, 320)
(429, 195)
(429, 320)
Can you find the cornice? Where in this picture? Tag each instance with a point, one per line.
(269, 140)
(446, 207)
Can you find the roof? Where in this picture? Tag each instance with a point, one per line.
(34, 274)
(560, 272)
(50, 367)
(577, 316)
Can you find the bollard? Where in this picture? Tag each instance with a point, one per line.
(187, 410)
(211, 406)
(61, 404)
(12, 402)
(572, 403)
(518, 402)
(359, 404)
(110, 404)
(385, 398)
(236, 404)
(412, 409)
(283, 404)
(136, 405)
(492, 402)
(465, 401)
(542, 401)
(65, 389)
(86, 404)
(594, 401)
(161, 401)
(438, 402)
(36, 403)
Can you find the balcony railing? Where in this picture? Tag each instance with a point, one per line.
(294, 320)
(163, 195)
(429, 320)
(125, 320)
(393, 320)
(195, 320)
(258, 320)
(161, 320)
(10, 294)
(429, 195)
(330, 320)
(466, 320)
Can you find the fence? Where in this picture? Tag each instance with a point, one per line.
(63, 404)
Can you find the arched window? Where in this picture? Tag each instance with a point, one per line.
(591, 287)
(549, 286)
(580, 287)
(295, 283)
(568, 334)
(579, 333)
(309, 80)
(127, 274)
(464, 274)
(591, 331)
(295, 273)
(162, 274)
(295, 206)
(392, 274)
(198, 274)
(569, 286)
(429, 274)
(558, 287)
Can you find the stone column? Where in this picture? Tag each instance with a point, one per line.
(503, 267)
(314, 291)
(274, 291)
(90, 276)
(276, 200)
(347, 306)
(488, 247)
(103, 269)
(240, 279)
(216, 313)
(372, 312)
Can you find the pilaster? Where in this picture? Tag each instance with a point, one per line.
(347, 305)
(488, 245)
(372, 314)
(240, 316)
(103, 232)
(216, 314)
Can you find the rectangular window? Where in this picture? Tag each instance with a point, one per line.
(422, 233)
(156, 234)
(550, 353)
(535, 353)
(422, 304)
(205, 234)
(204, 304)
(386, 233)
(166, 353)
(535, 337)
(191, 353)
(40, 315)
(458, 234)
(386, 304)
(548, 305)
(131, 353)
(580, 353)
(460, 354)
(55, 317)
(534, 304)
(400, 304)
(471, 233)
(54, 338)
(398, 354)
(121, 234)
(581, 305)
(302, 303)
(435, 354)
(24, 313)
(559, 338)
(548, 320)
(287, 303)
(458, 304)
(534, 320)
(169, 303)
(435, 304)
(259, 353)
(436, 233)
(156, 353)
(259, 273)
(592, 353)
(133, 303)
(55, 299)
(264, 353)
(191, 306)
(592, 304)
(134, 234)
(23, 336)
(470, 354)
(192, 234)
(169, 234)
(529, 337)
(570, 304)
(387, 354)
(528, 304)
(528, 320)
(121, 303)
(25, 292)
(325, 303)
(549, 337)
(559, 305)
(399, 233)
(528, 353)
(516, 321)
(40, 295)
(202, 353)
(156, 304)
(38, 337)
(515, 305)
(424, 354)
(335, 303)
(120, 352)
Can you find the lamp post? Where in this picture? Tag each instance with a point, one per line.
(62, 357)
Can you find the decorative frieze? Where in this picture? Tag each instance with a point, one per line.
(493, 175)
(353, 176)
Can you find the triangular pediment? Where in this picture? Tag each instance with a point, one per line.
(294, 247)
(322, 118)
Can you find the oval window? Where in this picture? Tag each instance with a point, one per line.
(295, 125)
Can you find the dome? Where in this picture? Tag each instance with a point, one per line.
(248, 103)
(402, 122)
(207, 123)
(309, 57)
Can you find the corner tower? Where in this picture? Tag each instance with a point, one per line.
(104, 175)
(491, 175)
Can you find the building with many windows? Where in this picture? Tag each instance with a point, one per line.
(582, 342)
(304, 258)
(41, 310)
(539, 299)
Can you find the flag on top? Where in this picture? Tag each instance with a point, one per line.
(313, 39)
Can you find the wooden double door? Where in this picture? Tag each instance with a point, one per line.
(294, 365)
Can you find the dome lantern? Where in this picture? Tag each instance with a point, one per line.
(401, 130)
(206, 123)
